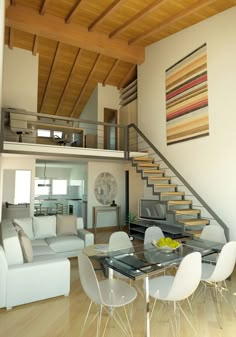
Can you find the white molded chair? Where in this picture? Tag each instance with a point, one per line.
(108, 294)
(117, 241)
(175, 289)
(213, 233)
(215, 276)
(152, 233)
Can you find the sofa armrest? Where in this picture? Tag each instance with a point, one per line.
(86, 236)
(37, 281)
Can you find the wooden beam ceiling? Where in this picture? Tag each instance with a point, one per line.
(166, 23)
(52, 27)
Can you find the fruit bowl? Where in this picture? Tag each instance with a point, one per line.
(166, 245)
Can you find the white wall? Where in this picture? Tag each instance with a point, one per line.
(20, 79)
(108, 97)
(207, 163)
(117, 170)
(90, 113)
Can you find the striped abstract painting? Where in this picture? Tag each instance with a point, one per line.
(187, 98)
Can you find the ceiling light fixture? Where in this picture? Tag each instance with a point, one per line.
(44, 174)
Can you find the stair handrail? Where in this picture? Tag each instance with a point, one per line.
(189, 187)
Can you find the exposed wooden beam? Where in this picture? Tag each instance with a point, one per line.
(44, 6)
(73, 12)
(124, 80)
(113, 68)
(85, 85)
(137, 17)
(11, 38)
(35, 45)
(51, 27)
(13, 2)
(76, 61)
(50, 76)
(115, 4)
(191, 9)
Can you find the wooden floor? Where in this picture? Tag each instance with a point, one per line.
(63, 316)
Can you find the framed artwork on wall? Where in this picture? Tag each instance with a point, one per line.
(187, 98)
(105, 188)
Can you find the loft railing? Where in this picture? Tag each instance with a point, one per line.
(137, 141)
(27, 127)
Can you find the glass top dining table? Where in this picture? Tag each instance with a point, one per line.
(144, 260)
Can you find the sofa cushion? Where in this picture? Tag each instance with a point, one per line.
(26, 224)
(42, 250)
(64, 243)
(26, 246)
(44, 226)
(66, 225)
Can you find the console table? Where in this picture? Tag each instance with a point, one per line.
(103, 209)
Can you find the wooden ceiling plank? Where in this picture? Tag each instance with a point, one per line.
(13, 2)
(50, 75)
(108, 11)
(35, 45)
(11, 38)
(54, 28)
(124, 80)
(85, 84)
(44, 6)
(188, 11)
(73, 12)
(113, 68)
(137, 17)
(76, 61)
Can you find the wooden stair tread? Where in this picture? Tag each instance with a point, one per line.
(153, 171)
(148, 165)
(165, 185)
(172, 193)
(143, 159)
(187, 211)
(194, 222)
(159, 178)
(179, 202)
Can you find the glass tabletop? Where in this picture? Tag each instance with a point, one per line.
(139, 260)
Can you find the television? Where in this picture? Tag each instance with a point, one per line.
(151, 209)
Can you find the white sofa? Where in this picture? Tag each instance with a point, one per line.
(47, 274)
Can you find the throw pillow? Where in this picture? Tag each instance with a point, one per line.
(44, 226)
(26, 246)
(66, 224)
(27, 225)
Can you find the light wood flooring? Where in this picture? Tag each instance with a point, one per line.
(63, 316)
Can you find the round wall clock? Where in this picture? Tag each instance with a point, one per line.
(105, 188)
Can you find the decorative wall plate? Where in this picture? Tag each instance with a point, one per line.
(105, 188)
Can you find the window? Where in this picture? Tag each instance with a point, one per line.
(41, 187)
(43, 133)
(22, 187)
(59, 187)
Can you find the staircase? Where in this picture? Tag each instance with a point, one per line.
(179, 209)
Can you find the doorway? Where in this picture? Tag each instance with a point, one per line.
(110, 132)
